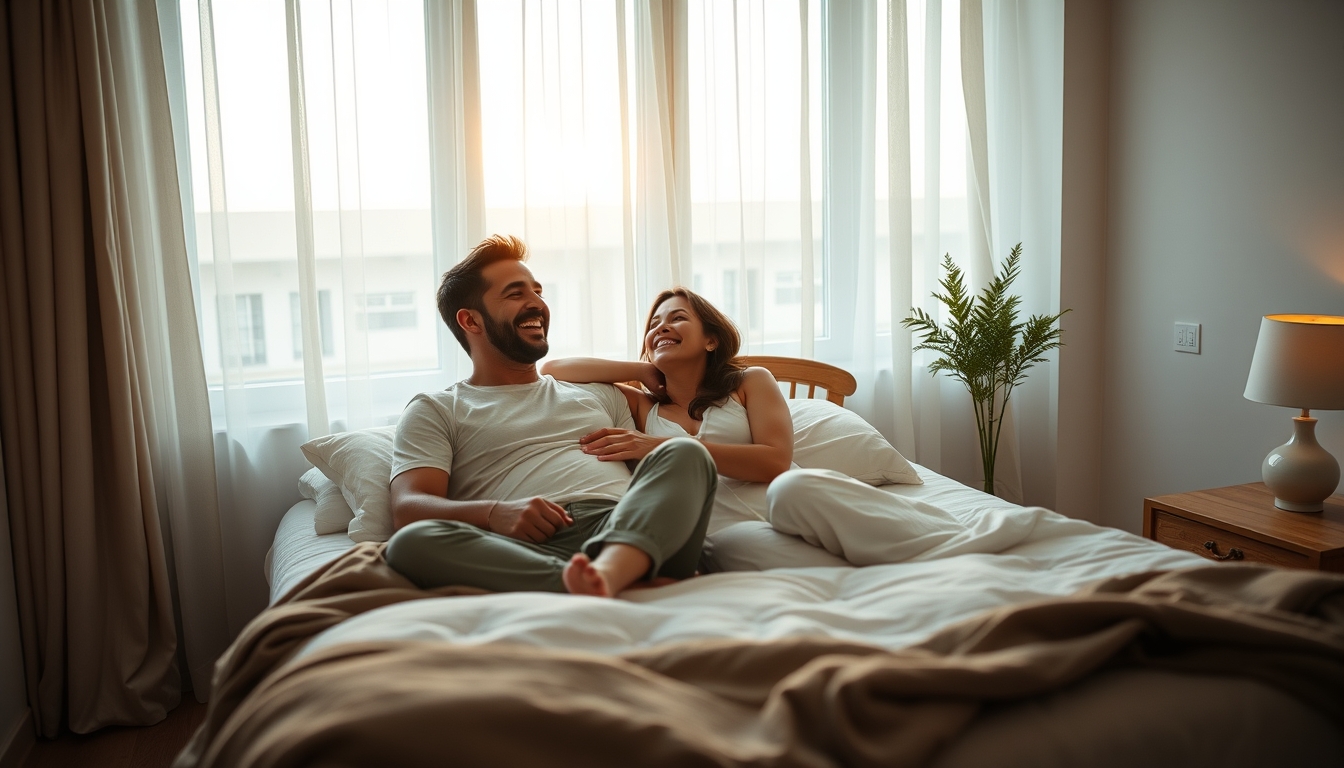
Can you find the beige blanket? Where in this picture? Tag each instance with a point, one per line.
(806, 702)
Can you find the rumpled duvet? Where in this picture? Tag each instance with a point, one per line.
(794, 702)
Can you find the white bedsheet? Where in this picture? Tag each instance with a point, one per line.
(298, 551)
(1045, 555)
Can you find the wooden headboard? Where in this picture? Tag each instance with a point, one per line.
(837, 382)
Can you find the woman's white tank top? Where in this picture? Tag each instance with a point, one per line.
(725, 424)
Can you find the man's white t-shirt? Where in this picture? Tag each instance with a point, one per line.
(515, 441)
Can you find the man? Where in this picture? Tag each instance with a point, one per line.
(490, 487)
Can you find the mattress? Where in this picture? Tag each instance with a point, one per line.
(298, 551)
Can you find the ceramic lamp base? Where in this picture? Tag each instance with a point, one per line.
(1300, 473)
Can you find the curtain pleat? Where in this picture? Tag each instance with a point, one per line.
(125, 558)
(977, 127)
(314, 387)
(929, 390)
(457, 180)
(96, 392)
(900, 217)
(661, 254)
(1023, 65)
(807, 332)
(630, 283)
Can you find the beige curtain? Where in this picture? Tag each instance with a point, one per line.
(101, 400)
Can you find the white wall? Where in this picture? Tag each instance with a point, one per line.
(13, 693)
(1226, 203)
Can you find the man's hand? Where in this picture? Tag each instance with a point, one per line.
(612, 444)
(535, 520)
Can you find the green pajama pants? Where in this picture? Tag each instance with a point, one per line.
(664, 513)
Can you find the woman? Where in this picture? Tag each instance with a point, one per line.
(697, 388)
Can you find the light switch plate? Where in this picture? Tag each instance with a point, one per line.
(1187, 338)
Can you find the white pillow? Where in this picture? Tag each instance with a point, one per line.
(333, 514)
(828, 436)
(360, 463)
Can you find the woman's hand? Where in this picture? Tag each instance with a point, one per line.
(653, 380)
(611, 444)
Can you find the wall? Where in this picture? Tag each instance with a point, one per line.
(13, 692)
(1082, 274)
(1226, 203)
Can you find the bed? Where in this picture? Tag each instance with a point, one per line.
(1040, 640)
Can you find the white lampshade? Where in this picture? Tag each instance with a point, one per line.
(1299, 362)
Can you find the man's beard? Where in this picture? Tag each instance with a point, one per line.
(505, 337)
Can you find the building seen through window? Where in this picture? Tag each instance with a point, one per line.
(326, 333)
(251, 329)
(389, 311)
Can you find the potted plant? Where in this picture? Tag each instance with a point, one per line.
(985, 347)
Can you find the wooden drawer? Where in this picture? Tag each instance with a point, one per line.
(1180, 533)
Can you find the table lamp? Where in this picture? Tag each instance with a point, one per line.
(1299, 363)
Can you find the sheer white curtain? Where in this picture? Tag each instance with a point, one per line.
(344, 154)
(1024, 94)
(804, 165)
(838, 150)
(835, 156)
(790, 187)
(582, 126)
(1012, 70)
(556, 111)
(311, 172)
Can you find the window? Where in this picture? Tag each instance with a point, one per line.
(324, 324)
(389, 311)
(788, 300)
(789, 287)
(367, 216)
(755, 316)
(774, 185)
(251, 329)
(730, 294)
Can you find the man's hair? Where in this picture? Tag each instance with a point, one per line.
(723, 372)
(463, 287)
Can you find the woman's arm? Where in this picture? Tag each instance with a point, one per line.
(771, 451)
(595, 370)
(591, 370)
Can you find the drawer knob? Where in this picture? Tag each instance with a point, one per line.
(1232, 554)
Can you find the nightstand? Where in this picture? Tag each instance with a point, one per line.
(1240, 522)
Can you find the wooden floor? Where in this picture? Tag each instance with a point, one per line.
(122, 747)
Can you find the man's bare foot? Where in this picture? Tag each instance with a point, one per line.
(616, 569)
(583, 578)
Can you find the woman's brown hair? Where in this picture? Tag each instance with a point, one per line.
(723, 372)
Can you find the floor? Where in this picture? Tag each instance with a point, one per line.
(122, 747)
